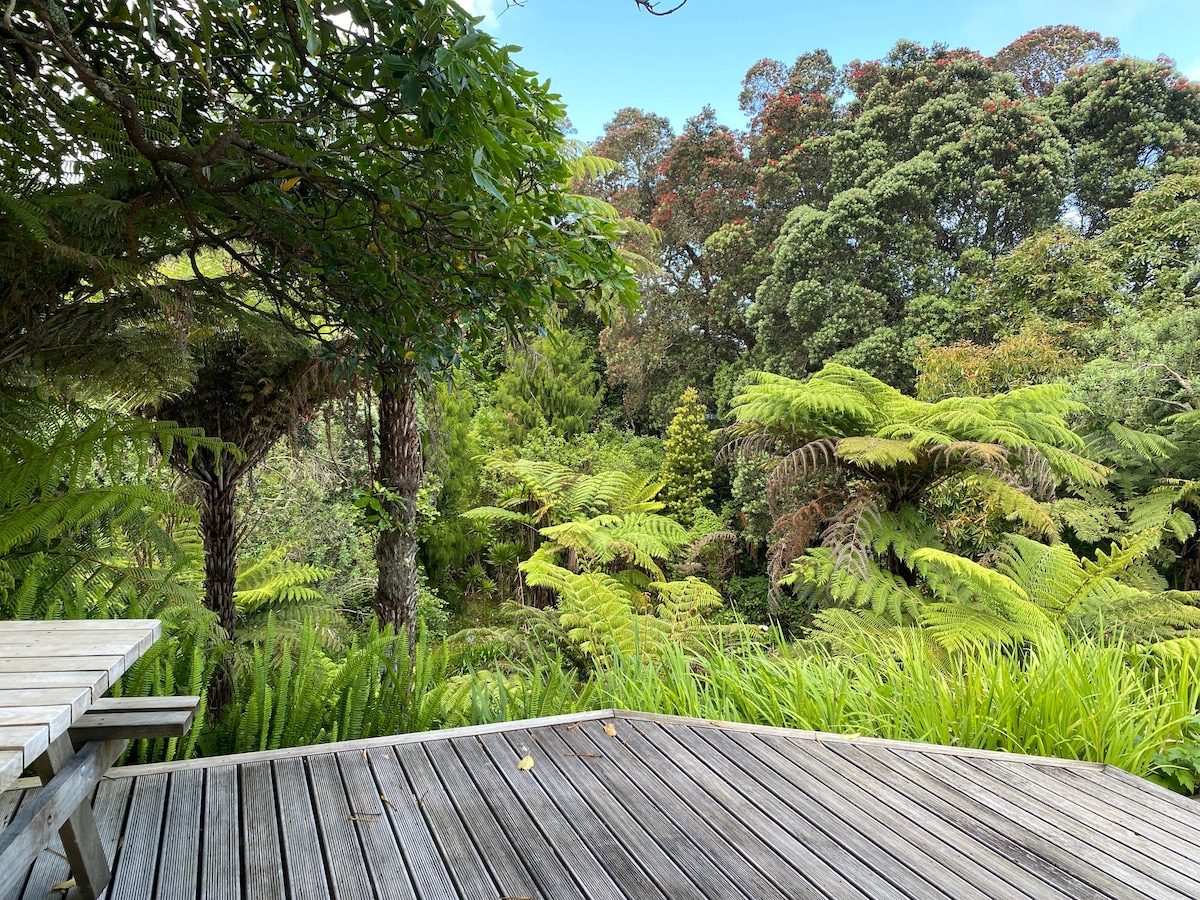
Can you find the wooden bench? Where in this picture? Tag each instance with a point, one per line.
(69, 775)
(134, 718)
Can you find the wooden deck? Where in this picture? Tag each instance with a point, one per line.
(662, 808)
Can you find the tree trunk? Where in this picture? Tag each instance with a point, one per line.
(218, 526)
(399, 471)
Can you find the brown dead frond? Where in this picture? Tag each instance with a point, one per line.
(801, 464)
(1039, 474)
(848, 534)
(973, 454)
(721, 547)
(747, 446)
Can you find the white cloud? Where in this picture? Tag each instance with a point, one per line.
(486, 8)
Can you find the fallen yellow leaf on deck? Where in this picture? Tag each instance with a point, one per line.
(63, 887)
(526, 763)
(610, 729)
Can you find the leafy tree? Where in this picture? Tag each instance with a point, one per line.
(1146, 259)
(378, 186)
(686, 328)
(966, 369)
(688, 458)
(249, 393)
(857, 462)
(941, 166)
(1129, 123)
(1042, 58)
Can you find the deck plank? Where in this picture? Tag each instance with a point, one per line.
(339, 837)
(1031, 832)
(493, 762)
(458, 815)
(262, 853)
(386, 869)
(501, 813)
(110, 803)
(905, 815)
(780, 868)
(667, 834)
(1097, 814)
(1154, 805)
(1075, 833)
(839, 851)
(179, 858)
(220, 857)
(429, 863)
(862, 827)
(993, 832)
(592, 817)
(303, 867)
(134, 873)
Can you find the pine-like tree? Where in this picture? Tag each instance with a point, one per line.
(688, 466)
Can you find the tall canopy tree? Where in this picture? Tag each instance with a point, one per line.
(941, 164)
(392, 173)
(1129, 122)
(1040, 59)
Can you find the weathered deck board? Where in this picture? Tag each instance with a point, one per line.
(649, 834)
(808, 833)
(142, 829)
(344, 861)
(989, 830)
(540, 822)
(426, 862)
(905, 816)
(481, 863)
(1062, 796)
(556, 788)
(304, 858)
(262, 856)
(779, 859)
(665, 809)
(867, 828)
(1077, 834)
(179, 863)
(1031, 832)
(220, 857)
(386, 869)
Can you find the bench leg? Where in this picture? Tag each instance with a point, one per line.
(80, 836)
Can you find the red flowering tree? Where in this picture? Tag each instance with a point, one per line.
(1040, 59)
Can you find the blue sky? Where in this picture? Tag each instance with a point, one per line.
(602, 55)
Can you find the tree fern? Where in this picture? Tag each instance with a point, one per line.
(851, 447)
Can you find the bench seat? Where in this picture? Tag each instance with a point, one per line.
(135, 718)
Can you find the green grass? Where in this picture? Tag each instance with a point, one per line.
(1083, 700)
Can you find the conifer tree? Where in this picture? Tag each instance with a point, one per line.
(689, 458)
(551, 385)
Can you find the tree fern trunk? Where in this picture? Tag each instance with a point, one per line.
(399, 471)
(218, 525)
